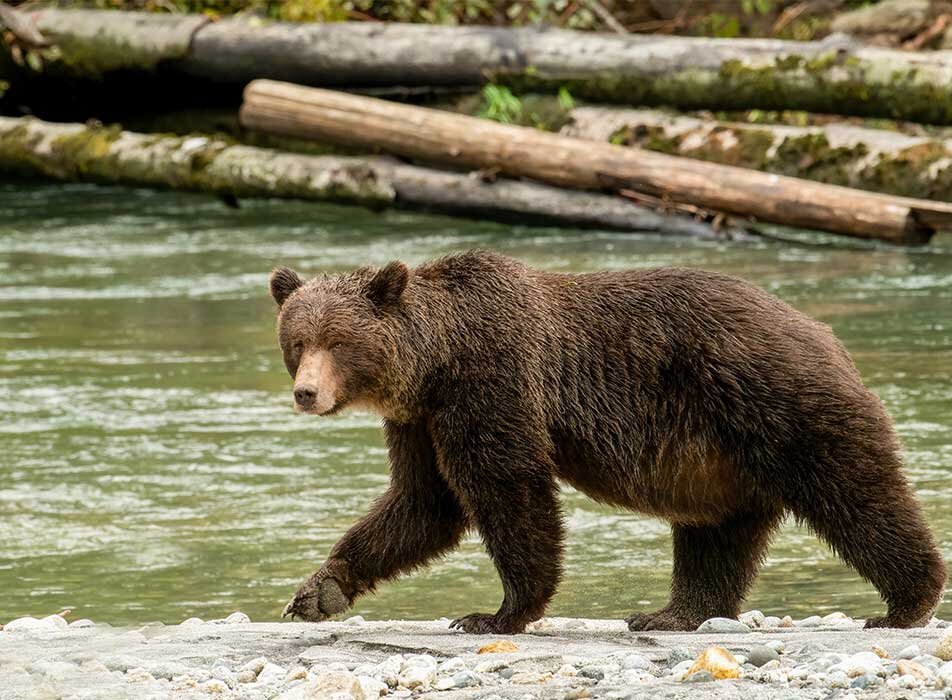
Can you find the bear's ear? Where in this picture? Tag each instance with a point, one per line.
(388, 284)
(283, 281)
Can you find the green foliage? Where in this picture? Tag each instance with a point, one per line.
(499, 104)
(566, 101)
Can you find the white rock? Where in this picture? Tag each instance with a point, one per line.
(567, 671)
(214, 687)
(57, 621)
(753, 618)
(237, 618)
(837, 679)
(859, 664)
(680, 669)
(271, 674)
(255, 665)
(416, 677)
(945, 674)
(355, 620)
(389, 671)
(246, 676)
(192, 622)
(31, 625)
(81, 624)
(636, 676)
(775, 644)
(910, 652)
(451, 666)
(371, 687)
(812, 621)
(327, 684)
(225, 675)
(637, 661)
(490, 666)
(771, 621)
(835, 617)
(466, 679)
(723, 625)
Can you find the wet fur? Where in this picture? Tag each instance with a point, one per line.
(685, 394)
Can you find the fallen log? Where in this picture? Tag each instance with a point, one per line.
(463, 141)
(838, 154)
(836, 77)
(76, 152)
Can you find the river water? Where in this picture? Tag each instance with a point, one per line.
(151, 466)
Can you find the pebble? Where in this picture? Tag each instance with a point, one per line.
(761, 654)
(859, 664)
(720, 662)
(681, 669)
(356, 620)
(753, 618)
(771, 621)
(911, 668)
(723, 625)
(867, 680)
(786, 621)
(271, 673)
(567, 670)
(775, 644)
(944, 648)
(679, 654)
(466, 679)
(637, 661)
(699, 677)
(82, 623)
(593, 672)
(237, 618)
(192, 622)
(371, 687)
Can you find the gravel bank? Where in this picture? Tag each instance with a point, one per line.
(559, 658)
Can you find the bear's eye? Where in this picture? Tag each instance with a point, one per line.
(297, 348)
(335, 346)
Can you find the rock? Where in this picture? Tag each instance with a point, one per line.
(192, 622)
(753, 618)
(594, 672)
(838, 679)
(271, 674)
(945, 674)
(775, 644)
(31, 625)
(575, 694)
(762, 654)
(371, 687)
(168, 670)
(255, 665)
(295, 674)
(501, 647)
(787, 621)
(699, 677)
(246, 676)
(679, 654)
(214, 687)
(944, 648)
(899, 17)
(575, 625)
(356, 620)
(867, 680)
(812, 621)
(326, 685)
(540, 625)
(466, 679)
(567, 671)
(718, 661)
(530, 678)
(418, 672)
(723, 625)
(490, 666)
(681, 669)
(637, 661)
(81, 624)
(506, 673)
(237, 618)
(880, 652)
(905, 667)
(56, 621)
(451, 666)
(859, 664)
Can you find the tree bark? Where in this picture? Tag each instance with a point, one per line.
(836, 77)
(838, 154)
(469, 142)
(205, 164)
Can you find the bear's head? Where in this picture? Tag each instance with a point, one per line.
(339, 336)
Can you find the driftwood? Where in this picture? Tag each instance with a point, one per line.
(204, 164)
(839, 154)
(689, 73)
(463, 141)
(22, 29)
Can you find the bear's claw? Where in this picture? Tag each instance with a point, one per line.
(316, 601)
(484, 623)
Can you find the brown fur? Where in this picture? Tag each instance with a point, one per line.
(689, 395)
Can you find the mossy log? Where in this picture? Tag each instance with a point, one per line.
(434, 136)
(76, 152)
(838, 154)
(688, 73)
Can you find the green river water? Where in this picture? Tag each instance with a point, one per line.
(151, 466)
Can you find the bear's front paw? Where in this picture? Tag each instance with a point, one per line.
(483, 623)
(317, 600)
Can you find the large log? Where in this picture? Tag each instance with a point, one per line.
(76, 152)
(878, 160)
(689, 73)
(464, 141)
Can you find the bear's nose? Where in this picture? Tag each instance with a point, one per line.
(305, 396)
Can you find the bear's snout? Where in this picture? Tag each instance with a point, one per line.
(316, 384)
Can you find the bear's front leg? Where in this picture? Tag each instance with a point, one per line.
(506, 484)
(417, 519)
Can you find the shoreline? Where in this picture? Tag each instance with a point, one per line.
(559, 658)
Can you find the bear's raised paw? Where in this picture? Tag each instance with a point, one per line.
(316, 601)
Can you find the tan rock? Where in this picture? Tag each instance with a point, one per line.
(944, 649)
(880, 652)
(501, 647)
(719, 662)
(911, 668)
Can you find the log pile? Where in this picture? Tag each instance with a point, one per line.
(75, 152)
(468, 142)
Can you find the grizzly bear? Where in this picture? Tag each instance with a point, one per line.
(688, 395)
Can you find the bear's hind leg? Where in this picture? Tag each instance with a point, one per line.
(714, 567)
(872, 520)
